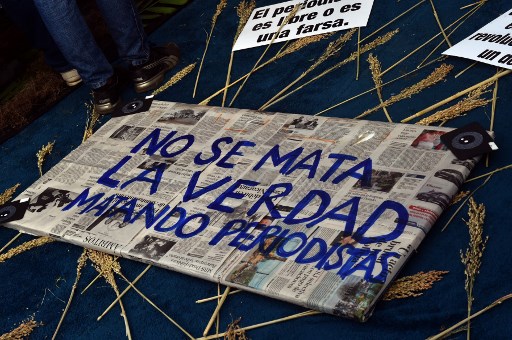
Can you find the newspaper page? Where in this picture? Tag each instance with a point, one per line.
(317, 211)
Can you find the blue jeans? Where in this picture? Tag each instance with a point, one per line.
(76, 42)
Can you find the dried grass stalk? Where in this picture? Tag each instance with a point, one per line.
(284, 23)
(107, 265)
(459, 196)
(217, 310)
(457, 95)
(412, 286)
(438, 75)
(23, 331)
(220, 7)
(92, 119)
(472, 259)
(299, 44)
(175, 78)
(506, 167)
(295, 46)
(331, 50)
(234, 332)
(155, 306)
(124, 292)
(243, 10)
(268, 323)
(471, 194)
(11, 241)
(373, 88)
(449, 330)
(365, 48)
(439, 23)
(25, 247)
(8, 193)
(376, 70)
(81, 263)
(463, 18)
(41, 155)
(472, 101)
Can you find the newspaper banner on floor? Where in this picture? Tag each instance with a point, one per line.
(492, 44)
(268, 24)
(321, 212)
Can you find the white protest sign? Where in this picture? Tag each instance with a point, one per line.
(313, 17)
(492, 44)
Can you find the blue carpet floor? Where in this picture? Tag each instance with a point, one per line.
(39, 282)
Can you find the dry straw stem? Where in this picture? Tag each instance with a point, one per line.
(376, 71)
(464, 202)
(448, 331)
(439, 74)
(365, 48)
(481, 2)
(493, 111)
(41, 155)
(285, 22)
(23, 331)
(8, 193)
(155, 306)
(472, 101)
(234, 331)
(460, 195)
(10, 242)
(216, 311)
(464, 70)
(107, 265)
(472, 258)
(25, 247)
(175, 78)
(81, 263)
(290, 48)
(494, 101)
(218, 296)
(331, 50)
(467, 16)
(464, 16)
(374, 88)
(92, 119)
(392, 20)
(243, 10)
(124, 292)
(412, 286)
(217, 319)
(490, 173)
(439, 23)
(263, 324)
(455, 96)
(91, 283)
(358, 64)
(220, 7)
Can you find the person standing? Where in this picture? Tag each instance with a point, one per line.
(147, 65)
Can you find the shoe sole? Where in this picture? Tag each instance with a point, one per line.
(73, 83)
(104, 109)
(154, 82)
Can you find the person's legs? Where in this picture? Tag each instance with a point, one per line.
(147, 66)
(74, 39)
(126, 28)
